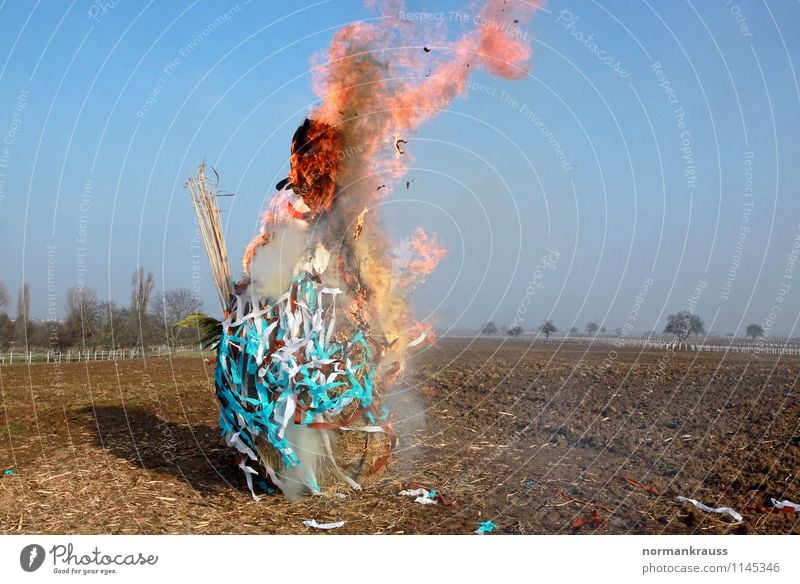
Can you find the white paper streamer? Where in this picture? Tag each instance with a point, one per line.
(422, 496)
(370, 429)
(702, 507)
(786, 503)
(292, 313)
(313, 523)
(247, 473)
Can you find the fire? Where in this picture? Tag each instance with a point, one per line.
(314, 238)
(360, 223)
(424, 254)
(372, 100)
(259, 241)
(315, 164)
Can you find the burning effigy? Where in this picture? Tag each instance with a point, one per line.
(316, 332)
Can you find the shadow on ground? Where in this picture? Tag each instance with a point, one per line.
(193, 454)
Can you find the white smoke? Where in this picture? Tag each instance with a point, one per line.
(273, 265)
(310, 450)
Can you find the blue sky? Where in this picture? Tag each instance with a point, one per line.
(107, 110)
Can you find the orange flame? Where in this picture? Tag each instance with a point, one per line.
(360, 223)
(425, 253)
(314, 164)
(377, 85)
(260, 240)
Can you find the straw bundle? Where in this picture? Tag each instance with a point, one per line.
(204, 199)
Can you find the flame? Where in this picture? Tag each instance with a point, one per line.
(377, 85)
(424, 254)
(259, 241)
(360, 223)
(314, 164)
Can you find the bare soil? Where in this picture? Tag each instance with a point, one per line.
(538, 438)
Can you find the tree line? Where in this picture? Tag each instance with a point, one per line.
(151, 318)
(684, 324)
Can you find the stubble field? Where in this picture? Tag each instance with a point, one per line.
(538, 438)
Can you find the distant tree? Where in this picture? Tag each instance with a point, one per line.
(547, 327)
(602, 330)
(592, 328)
(170, 308)
(573, 330)
(684, 324)
(22, 323)
(44, 334)
(61, 339)
(4, 298)
(116, 328)
(754, 331)
(142, 285)
(142, 289)
(490, 328)
(6, 331)
(515, 331)
(83, 323)
(618, 331)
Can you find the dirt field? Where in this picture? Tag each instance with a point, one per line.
(536, 438)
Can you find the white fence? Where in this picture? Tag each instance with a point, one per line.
(18, 356)
(762, 346)
(769, 346)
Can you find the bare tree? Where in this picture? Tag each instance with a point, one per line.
(117, 329)
(4, 298)
(490, 328)
(592, 328)
(515, 331)
(548, 327)
(84, 317)
(22, 324)
(171, 307)
(142, 285)
(142, 289)
(6, 331)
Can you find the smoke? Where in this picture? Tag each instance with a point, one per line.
(409, 422)
(272, 266)
(309, 446)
